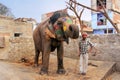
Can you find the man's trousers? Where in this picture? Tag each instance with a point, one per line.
(83, 62)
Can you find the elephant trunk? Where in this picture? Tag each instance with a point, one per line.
(73, 31)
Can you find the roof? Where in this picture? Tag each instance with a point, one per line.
(87, 28)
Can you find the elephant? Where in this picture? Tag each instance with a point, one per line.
(50, 35)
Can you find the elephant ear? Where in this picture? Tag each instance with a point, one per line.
(54, 17)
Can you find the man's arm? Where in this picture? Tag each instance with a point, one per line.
(91, 46)
(79, 52)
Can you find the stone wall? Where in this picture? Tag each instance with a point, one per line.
(4, 50)
(21, 47)
(9, 28)
(108, 48)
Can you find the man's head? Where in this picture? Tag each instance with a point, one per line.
(84, 35)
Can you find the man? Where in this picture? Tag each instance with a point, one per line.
(84, 49)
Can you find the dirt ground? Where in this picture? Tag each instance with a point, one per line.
(114, 76)
(26, 71)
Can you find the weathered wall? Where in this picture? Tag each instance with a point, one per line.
(21, 47)
(8, 27)
(4, 50)
(108, 48)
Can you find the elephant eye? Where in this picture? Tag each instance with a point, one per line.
(59, 23)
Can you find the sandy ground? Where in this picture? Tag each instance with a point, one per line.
(26, 71)
(114, 76)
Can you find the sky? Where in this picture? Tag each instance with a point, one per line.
(35, 8)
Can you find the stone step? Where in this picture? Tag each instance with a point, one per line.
(103, 70)
(97, 70)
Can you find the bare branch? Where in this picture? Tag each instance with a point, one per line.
(72, 7)
(81, 20)
(86, 7)
(106, 15)
(81, 12)
(115, 11)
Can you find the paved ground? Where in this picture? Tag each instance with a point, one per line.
(25, 71)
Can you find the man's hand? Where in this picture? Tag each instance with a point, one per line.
(89, 51)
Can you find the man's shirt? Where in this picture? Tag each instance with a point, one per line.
(84, 45)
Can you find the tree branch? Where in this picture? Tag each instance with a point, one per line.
(115, 11)
(104, 13)
(86, 7)
(72, 7)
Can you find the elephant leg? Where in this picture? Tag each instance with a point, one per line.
(37, 52)
(45, 64)
(45, 58)
(60, 53)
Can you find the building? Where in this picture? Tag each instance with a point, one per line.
(100, 24)
(12, 28)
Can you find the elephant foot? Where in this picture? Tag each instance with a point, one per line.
(43, 72)
(61, 71)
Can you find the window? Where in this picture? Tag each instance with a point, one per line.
(101, 20)
(108, 31)
(17, 34)
(99, 6)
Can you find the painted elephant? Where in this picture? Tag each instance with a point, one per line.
(50, 35)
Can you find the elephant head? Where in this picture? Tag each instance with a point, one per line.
(64, 27)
